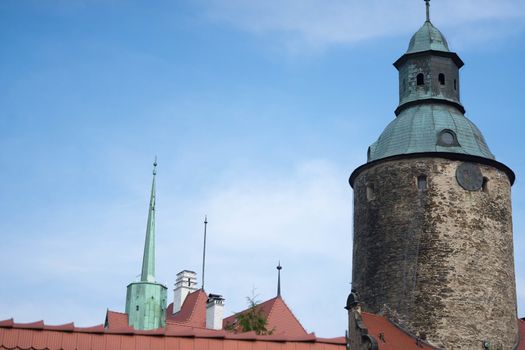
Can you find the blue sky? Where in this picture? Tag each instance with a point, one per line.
(258, 113)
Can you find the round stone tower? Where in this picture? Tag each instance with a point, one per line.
(433, 247)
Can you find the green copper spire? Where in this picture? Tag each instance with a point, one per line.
(148, 259)
(146, 299)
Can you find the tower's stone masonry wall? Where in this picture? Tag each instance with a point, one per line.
(438, 261)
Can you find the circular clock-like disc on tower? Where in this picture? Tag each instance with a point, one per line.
(469, 176)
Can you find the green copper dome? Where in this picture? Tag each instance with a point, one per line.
(427, 38)
(430, 128)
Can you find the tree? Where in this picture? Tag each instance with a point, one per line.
(252, 319)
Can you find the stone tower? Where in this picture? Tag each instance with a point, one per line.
(146, 299)
(433, 244)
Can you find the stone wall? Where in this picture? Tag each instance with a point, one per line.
(437, 261)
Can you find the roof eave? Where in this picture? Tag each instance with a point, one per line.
(453, 156)
(427, 101)
(454, 56)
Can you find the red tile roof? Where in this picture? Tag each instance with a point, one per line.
(278, 316)
(192, 312)
(394, 338)
(521, 327)
(389, 336)
(118, 322)
(39, 336)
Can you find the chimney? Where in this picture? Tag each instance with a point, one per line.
(214, 311)
(186, 283)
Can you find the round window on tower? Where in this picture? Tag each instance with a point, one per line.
(447, 138)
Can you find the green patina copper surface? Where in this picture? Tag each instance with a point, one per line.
(148, 259)
(430, 106)
(146, 300)
(416, 130)
(427, 38)
(146, 305)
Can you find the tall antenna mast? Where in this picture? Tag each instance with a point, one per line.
(204, 249)
(279, 268)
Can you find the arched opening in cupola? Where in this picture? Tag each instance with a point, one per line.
(420, 79)
(441, 78)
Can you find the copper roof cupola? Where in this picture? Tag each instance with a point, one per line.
(430, 116)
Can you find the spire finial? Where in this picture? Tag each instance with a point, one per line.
(428, 9)
(204, 249)
(155, 166)
(279, 268)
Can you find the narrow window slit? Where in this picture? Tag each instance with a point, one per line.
(370, 195)
(422, 183)
(485, 186)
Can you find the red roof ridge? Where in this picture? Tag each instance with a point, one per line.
(40, 325)
(30, 325)
(68, 327)
(120, 330)
(7, 323)
(336, 340)
(99, 328)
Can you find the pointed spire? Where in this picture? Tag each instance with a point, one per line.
(428, 9)
(148, 260)
(279, 268)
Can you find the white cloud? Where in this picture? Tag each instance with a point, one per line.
(264, 212)
(321, 23)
